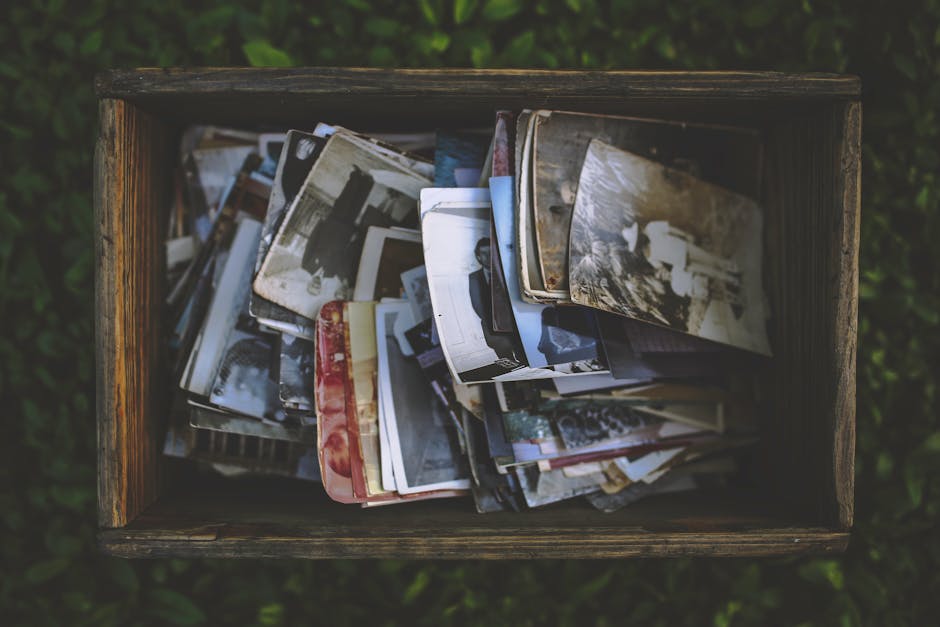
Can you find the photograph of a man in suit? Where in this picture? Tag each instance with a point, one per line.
(481, 299)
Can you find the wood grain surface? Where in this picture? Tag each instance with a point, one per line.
(252, 518)
(130, 190)
(293, 82)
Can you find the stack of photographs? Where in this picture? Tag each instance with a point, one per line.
(565, 306)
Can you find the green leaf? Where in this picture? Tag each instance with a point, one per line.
(759, 14)
(124, 575)
(906, 66)
(823, 571)
(46, 570)
(463, 10)
(932, 443)
(271, 614)
(92, 42)
(431, 10)
(497, 10)
(520, 48)
(381, 27)
(416, 587)
(260, 53)
(175, 608)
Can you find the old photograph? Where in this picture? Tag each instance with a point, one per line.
(297, 366)
(315, 254)
(297, 157)
(550, 335)
(457, 250)
(362, 368)
(415, 283)
(423, 438)
(723, 155)
(330, 386)
(661, 246)
(387, 253)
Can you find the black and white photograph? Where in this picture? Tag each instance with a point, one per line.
(297, 157)
(550, 335)
(723, 155)
(224, 310)
(582, 423)
(246, 382)
(415, 283)
(423, 438)
(315, 254)
(456, 253)
(386, 254)
(661, 246)
(297, 368)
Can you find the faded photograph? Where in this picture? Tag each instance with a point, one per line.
(297, 157)
(661, 246)
(424, 438)
(315, 255)
(246, 380)
(582, 423)
(415, 282)
(297, 366)
(723, 155)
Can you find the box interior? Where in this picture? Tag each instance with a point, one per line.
(793, 483)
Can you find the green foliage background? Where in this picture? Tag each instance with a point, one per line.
(51, 572)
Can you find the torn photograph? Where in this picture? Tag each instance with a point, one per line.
(661, 246)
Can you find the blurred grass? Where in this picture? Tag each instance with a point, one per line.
(52, 573)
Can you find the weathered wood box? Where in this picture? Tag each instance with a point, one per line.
(152, 506)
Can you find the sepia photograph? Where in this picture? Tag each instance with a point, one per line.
(423, 438)
(315, 255)
(722, 155)
(661, 246)
(362, 368)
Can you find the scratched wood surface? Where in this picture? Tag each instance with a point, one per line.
(811, 173)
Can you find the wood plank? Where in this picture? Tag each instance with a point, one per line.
(585, 543)
(263, 517)
(129, 194)
(282, 83)
(844, 251)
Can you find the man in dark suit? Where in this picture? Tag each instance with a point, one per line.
(481, 300)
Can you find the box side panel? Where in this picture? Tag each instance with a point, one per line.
(844, 249)
(811, 200)
(130, 189)
(258, 517)
(410, 99)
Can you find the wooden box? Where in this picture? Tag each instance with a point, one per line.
(152, 506)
